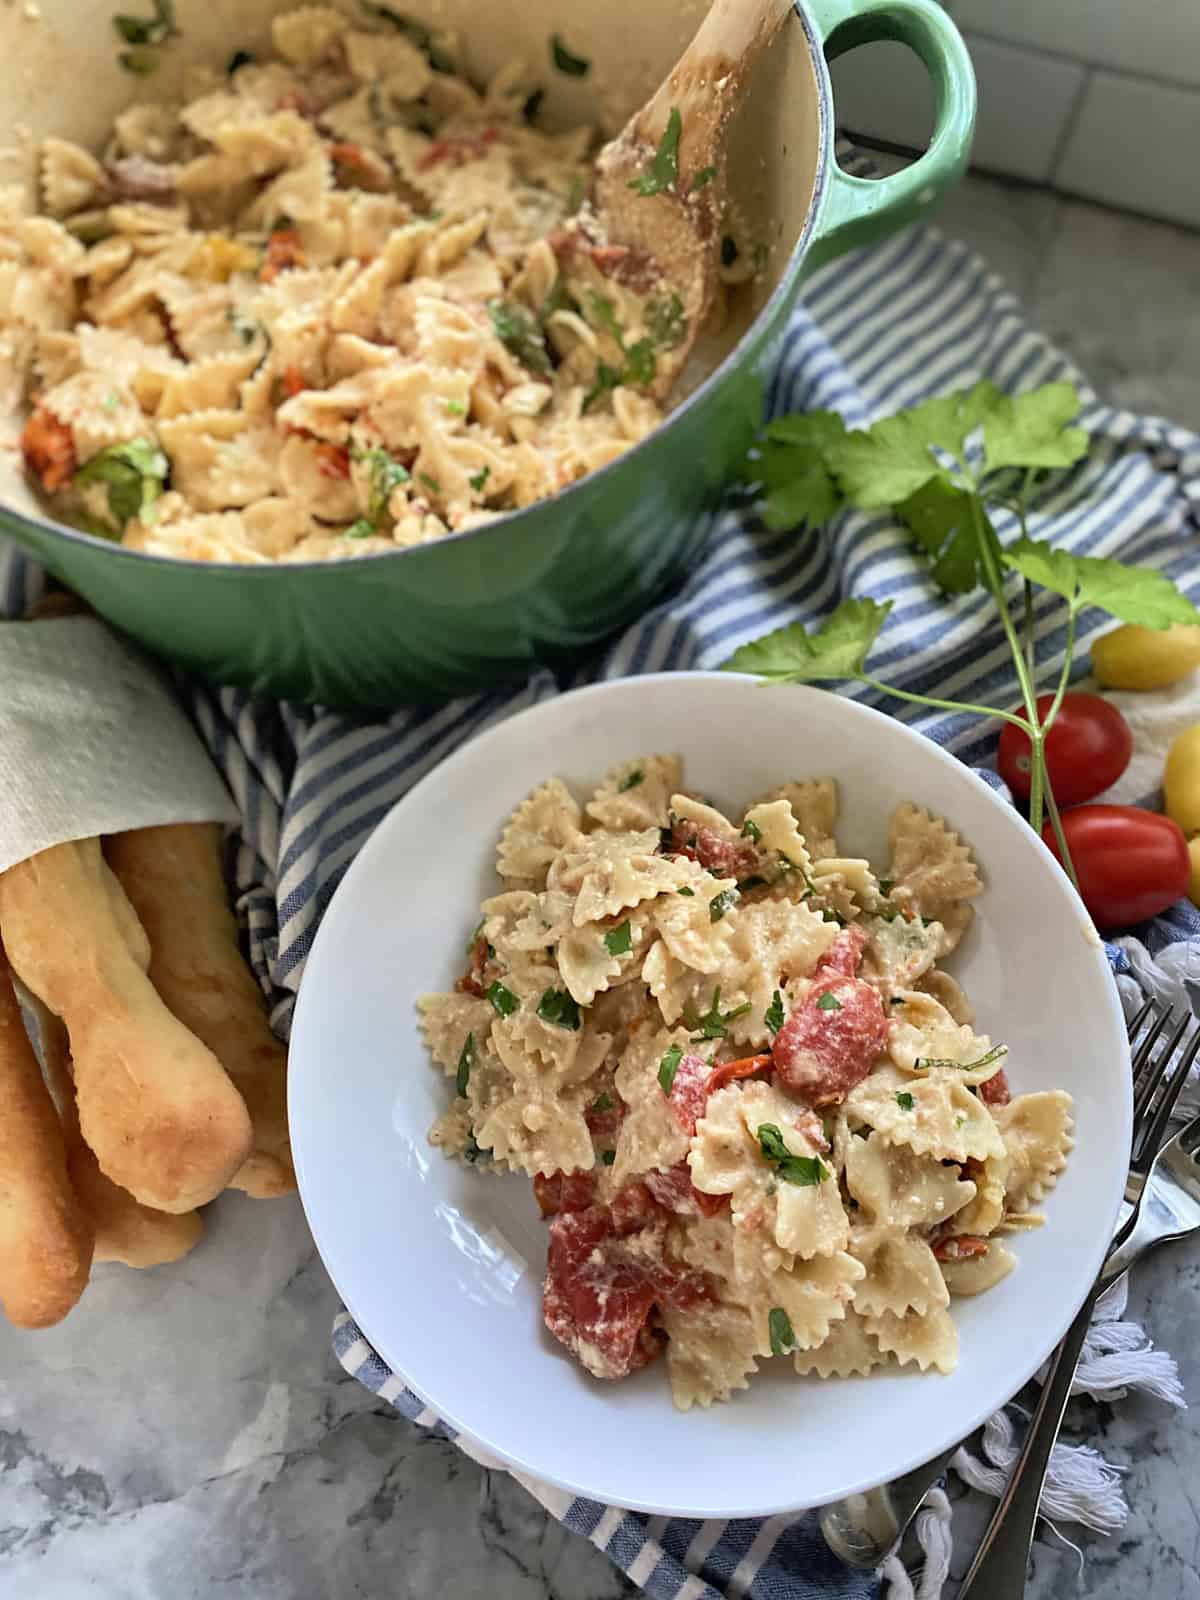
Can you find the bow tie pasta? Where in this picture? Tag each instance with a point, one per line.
(759, 1121)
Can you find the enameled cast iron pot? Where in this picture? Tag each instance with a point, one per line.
(542, 583)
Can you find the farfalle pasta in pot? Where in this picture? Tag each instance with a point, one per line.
(331, 303)
(758, 1119)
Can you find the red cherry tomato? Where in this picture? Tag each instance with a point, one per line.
(1087, 749)
(1130, 864)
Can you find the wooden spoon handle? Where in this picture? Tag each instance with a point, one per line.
(708, 77)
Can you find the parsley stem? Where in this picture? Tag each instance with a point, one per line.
(945, 705)
(1060, 837)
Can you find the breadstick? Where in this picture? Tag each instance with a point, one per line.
(45, 1237)
(154, 1102)
(125, 1230)
(173, 878)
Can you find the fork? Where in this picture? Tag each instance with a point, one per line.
(863, 1528)
(1163, 1192)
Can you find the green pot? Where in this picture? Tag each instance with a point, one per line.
(476, 608)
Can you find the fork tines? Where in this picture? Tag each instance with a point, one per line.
(1159, 1076)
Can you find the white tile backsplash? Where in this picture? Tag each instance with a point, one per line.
(1025, 104)
(884, 91)
(1136, 145)
(1158, 38)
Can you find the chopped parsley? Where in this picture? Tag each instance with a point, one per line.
(729, 250)
(475, 932)
(753, 882)
(473, 1151)
(926, 1063)
(430, 483)
(663, 169)
(533, 105)
(703, 178)
(669, 1066)
(478, 479)
(666, 321)
(721, 903)
(714, 1023)
(783, 1337)
(640, 363)
(466, 1061)
(147, 30)
(886, 886)
(960, 1121)
(134, 474)
(690, 893)
(559, 1008)
(504, 1000)
(608, 1157)
(576, 193)
(238, 60)
(384, 474)
(619, 941)
(829, 1002)
(631, 780)
(456, 408)
(805, 1171)
(606, 380)
(828, 914)
(773, 1016)
(519, 334)
(751, 831)
(364, 528)
(603, 1102)
(905, 1101)
(574, 66)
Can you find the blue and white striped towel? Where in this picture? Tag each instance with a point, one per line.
(879, 330)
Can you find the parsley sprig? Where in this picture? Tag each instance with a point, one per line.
(714, 1024)
(943, 468)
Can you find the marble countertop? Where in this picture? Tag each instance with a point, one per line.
(187, 1435)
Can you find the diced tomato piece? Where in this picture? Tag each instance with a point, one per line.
(634, 1209)
(564, 1191)
(333, 460)
(472, 981)
(284, 251)
(48, 447)
(293, 382)
(689, 1092)
(605, 1124)
(458, 149)
(831, 1042)
(960, 1247)
(673, 1188)
(996, 1092)
(361, 169)
(715, 854)
(844, 954)
(728, 1071)
(597, 1299)
(304, 104)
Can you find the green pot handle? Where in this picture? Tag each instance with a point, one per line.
(856, 211)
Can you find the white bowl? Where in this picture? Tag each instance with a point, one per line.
(442, 1267)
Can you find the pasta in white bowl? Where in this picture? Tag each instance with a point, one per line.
(756, 1113)
(443, 1262)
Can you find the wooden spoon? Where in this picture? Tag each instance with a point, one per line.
(660, 185)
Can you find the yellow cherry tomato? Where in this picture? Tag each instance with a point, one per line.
(1181, 780)
(1146, 658)
(1194, 885)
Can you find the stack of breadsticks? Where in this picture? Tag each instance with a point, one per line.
(161, 1082)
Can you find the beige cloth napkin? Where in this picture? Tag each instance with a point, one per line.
(92, 741)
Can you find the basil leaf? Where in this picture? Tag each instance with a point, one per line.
(925, 1063)
(134, 474)
(773, 1016)
(504, 1000)
(574, 66)
(721, 903)
(519, 333)
(783, 1337)
(619, 941)
(668, 1067)
(558, 1007)
(466, 1061)
(631, 780)
(663, 170)
(829, 1002)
